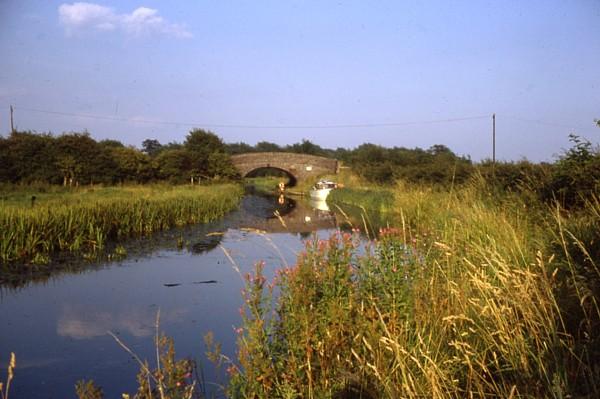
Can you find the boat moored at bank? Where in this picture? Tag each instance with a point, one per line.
(321, 189)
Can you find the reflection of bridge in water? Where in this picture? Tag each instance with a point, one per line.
(270, 214)
(286, 215)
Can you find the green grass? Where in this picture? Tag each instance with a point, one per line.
(83, 220)
(374, 199)
(471, 295)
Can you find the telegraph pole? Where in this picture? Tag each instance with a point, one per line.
(494, 138)
(12, 125)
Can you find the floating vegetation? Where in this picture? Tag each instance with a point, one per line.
(207, 244)
(206, 282)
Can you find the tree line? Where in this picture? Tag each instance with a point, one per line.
(76, 158)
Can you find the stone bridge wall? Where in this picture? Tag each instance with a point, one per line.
(300, 166)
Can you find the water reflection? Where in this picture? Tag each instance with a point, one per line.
(264, 206)
(209, 242)
(87, 321)
(274, 215)
(320, 205)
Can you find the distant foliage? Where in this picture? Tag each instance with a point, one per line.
(576, 175)
(76, 158)
(437, 165)
(207, 155)
(572, 180)
(381, 165)
(515, 176)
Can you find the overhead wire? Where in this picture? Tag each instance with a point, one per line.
(545, 123)
(311, 126)
(250, 126)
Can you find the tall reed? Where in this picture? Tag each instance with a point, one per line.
(84, 220)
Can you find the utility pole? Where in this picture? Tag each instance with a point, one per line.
(494, 138)
(12, 125)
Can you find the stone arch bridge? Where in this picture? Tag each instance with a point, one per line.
(300, 167)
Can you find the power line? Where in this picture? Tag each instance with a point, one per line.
(324, 126)
(545, 123)
(251, 126)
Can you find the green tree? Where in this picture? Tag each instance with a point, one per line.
(132, 165)
(5, 161)
(69, 167)
(219, 165)
(93, 162)
(152, 147)
(207, 155)
(239, 148)
(173, 165)
(265, 146)
(306, 147)
(576, 173)
(109, 143)
(31, 157)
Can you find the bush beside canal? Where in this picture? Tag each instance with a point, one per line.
(33, 227)
(474, 295)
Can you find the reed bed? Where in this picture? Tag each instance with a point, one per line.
(374, 198)
(470, 296)
(84, 220)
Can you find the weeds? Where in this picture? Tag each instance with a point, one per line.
(9, 377)
(474, 295)
(84, 221)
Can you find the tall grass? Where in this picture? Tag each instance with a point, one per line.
(471, 295)
(373, 198)
(82, 221)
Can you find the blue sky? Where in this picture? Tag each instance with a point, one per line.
(288, 70)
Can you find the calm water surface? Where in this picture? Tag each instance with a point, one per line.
(58, 328)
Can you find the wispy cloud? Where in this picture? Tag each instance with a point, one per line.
(142, 21)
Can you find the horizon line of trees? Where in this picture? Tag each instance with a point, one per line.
(76, 158)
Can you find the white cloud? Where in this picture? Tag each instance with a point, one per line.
(142, 21)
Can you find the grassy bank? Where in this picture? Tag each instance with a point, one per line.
(471, 295)
(375, 199)
(82, 220)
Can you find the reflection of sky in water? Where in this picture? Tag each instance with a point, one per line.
(58, 330)
(85, 322)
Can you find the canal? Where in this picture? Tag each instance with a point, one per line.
(59, 326)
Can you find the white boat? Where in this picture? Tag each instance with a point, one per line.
(321, 189)
(319, 205)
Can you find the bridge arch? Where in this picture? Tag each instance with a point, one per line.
(300, 167)
(291, 178)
